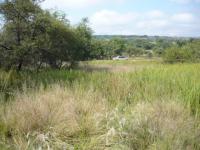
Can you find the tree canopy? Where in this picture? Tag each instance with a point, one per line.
(32, 37)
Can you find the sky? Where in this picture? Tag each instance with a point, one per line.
(134, 17)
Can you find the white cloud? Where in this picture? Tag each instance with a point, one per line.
(152, 23)
(114, 22)
(106, 21)
(183, 18)
(185, 1)
(110, 18)
(156, 14)
(76, 4)
(182, 1)
(66, 4)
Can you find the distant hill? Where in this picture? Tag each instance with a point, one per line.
(134, 37)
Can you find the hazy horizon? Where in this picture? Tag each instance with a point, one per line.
(140, 35)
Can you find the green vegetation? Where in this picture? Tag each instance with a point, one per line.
(59, 88)
(154, 106)
(33, 38)
(171, 49)
(188, 52)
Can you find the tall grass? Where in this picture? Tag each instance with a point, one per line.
(148, 108)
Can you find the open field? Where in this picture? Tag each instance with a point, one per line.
(99, 75)
(130, 65)
(103, 105)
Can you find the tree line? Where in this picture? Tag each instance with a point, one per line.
(34, 38)
(31, 37)
(170, 49)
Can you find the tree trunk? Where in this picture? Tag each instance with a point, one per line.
(19, 67)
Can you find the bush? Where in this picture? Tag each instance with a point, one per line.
(194, 46)
(177, 54)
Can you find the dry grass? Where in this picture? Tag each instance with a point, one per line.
(157, 125)
(61, 118)
(163, 125)
(151, 108)
(59, 111)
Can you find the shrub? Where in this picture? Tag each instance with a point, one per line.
(177, 54)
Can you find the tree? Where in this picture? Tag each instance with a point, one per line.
(194, 47)
(98, 49)
(120, 46)
(18, 32)
(177, 54)
(31, 37)
(131, 50)
(84, 37)
(160, 46)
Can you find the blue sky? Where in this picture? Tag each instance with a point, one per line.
(141, 17)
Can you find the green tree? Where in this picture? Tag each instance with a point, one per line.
(194, 47)
(31, 37)
(98, 49)
(134, 51)
(118, 46)
(84, 37)
(18, 32)
(177, 54)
